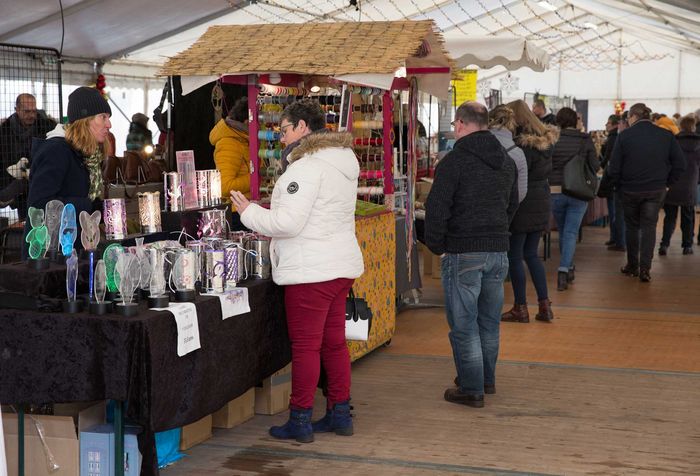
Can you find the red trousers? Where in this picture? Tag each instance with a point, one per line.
(316, 324)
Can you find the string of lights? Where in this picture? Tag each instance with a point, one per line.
(439, 7)
(472, 18)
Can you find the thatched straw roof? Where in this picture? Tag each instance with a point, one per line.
(309, 48)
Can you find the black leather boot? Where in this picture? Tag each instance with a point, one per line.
(562, 281)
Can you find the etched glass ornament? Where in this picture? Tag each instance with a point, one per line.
(184, 271)
(72, 275)
(112, 252)
(38, 235)
(54, 209)
(90, 229)
(127, 272)
(69, 229)
(100, 283)
(157, 281)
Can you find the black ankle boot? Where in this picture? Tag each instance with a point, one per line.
(562, 281)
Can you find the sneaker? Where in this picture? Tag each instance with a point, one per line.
(644, 276)
(688, 250)
(663, 250)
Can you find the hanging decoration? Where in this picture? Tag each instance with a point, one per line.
(101, 84)
(510, 83)
(483, 87)
(620, 107)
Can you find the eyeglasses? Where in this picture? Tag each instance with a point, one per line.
(283, 129)
(455, 122)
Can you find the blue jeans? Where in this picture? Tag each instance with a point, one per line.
(473, 284)
(523, 246)
(568, 213)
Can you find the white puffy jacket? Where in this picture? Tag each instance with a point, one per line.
(312, 214)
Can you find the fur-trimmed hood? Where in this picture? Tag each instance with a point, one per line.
(315, 142)
(312, 144)
(543, 142)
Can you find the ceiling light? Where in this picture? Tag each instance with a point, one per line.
(546, 5)
(590, 26)
(315, 89)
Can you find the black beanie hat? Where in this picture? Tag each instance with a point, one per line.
(86, 102)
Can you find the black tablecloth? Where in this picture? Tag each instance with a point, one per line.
(56, 357)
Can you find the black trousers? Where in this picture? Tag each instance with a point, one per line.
(641, 215)
(687, 224)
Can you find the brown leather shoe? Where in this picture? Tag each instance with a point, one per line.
(518, 313)
(545, 313)
(453, 395)
(630, 270)
(488, 388)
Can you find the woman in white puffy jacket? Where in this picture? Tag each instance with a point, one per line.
(315, 255)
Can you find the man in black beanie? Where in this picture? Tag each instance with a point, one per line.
(468, 213)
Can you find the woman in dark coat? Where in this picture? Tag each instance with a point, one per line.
(568, 211)
(70, 168)
(684, 193)
(536, 140)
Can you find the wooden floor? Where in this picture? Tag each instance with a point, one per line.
(611, 387)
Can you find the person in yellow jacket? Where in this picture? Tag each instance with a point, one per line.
(231, 154)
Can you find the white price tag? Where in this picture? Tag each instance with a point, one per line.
(187, 326)
(233, 302)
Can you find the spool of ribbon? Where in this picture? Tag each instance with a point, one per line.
(268, 135)
(270, 153)
(371, 174)
(371, 157)
(367, 124)
(367, 108)
(370, 190)
(373, 141)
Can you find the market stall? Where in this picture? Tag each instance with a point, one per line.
(351, 70)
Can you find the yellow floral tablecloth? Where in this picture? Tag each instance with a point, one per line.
(377, 238)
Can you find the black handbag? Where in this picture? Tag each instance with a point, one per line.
(580, 181)
(358, 318)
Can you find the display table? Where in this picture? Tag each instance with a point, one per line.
(376, 236)
(56, 357)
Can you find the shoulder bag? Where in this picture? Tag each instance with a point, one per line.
(580, 181)
(358, 318)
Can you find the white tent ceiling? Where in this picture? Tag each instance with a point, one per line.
(577, 34)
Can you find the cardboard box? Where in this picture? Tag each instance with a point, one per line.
(97, 451)
(431, 263)
(423, 189)
(272, 396)
(236, 411)
(195, 433)
(59, 435)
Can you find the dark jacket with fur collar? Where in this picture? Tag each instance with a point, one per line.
(533, 213)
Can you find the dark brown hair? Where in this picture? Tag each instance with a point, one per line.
(566, 117)
(640, 111)
(688, 123)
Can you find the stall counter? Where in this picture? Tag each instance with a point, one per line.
(376, 236)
